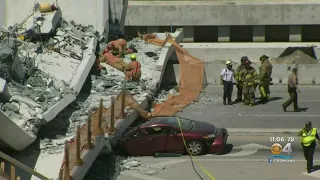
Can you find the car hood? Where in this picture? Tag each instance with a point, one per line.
(204, 127)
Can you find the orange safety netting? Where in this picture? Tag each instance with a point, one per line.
(191, 78)
(153, 39)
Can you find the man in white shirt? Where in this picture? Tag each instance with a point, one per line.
(227, 80)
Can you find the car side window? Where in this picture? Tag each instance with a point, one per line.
(158, 130)
(137, 134)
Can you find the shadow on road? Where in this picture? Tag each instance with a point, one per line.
(28, 157)
(106, 166)
(302, 109)
(227, 149)
(275, 98)
(315, 168)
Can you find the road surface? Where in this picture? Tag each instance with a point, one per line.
(271, 115)
(248, 160)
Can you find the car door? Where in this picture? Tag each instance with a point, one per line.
(157, 138)
(136, 144)
(174, 142)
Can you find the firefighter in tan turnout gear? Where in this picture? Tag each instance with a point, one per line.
(265, 78)
(239, 83)
(249, 77)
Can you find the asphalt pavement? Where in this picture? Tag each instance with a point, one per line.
(248, 159)
(209, 108)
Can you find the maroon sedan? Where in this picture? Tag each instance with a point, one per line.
(163, 134)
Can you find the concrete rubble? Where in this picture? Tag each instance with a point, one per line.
(133, 164)
(110, 166)
(35, 84)
(104, 84)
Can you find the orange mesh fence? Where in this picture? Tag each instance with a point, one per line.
(191, 78)
(153, 39)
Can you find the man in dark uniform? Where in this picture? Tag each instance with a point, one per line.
(292, 90)
(239, 83)
(308, 142)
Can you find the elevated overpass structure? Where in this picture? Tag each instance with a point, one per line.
(229, 20)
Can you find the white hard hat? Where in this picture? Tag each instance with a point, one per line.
(229, 62)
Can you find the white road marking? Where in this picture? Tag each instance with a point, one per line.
(246, 150)
(140, 176)
(315, 174)
(245, 160)
(166, 163)
(309, 100)
(286, 115)
(262, 130)
(204, 159)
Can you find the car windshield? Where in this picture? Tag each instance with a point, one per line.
(186, 124)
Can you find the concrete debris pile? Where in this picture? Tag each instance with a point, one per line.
(297, 57)
(164, 95)
(109, 82)
(41, 69)
(54, 146)
(101, 167)
(132, 164)
(209, 99)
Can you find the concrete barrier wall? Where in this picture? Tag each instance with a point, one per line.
(213, 13)
(308, 74)
(209, 52)
(87, 12)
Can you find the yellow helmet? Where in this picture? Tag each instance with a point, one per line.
(133, 57)
(229, 63)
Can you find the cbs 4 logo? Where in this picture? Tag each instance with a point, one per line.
(277, 148)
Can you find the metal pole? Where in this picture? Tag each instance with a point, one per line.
(112, 115)
(79, 161)
(13, 172)
(123, 100)
(89, 144)
(98, 131)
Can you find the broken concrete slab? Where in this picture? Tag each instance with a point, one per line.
(13, 136)
(47, 22)
(53, 78)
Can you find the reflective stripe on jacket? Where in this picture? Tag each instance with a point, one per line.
(239, 68)
(248, 76)
(308, 137)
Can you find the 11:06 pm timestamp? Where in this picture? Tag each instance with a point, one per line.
(283, 139)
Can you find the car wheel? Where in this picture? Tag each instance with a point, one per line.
(195, 147)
